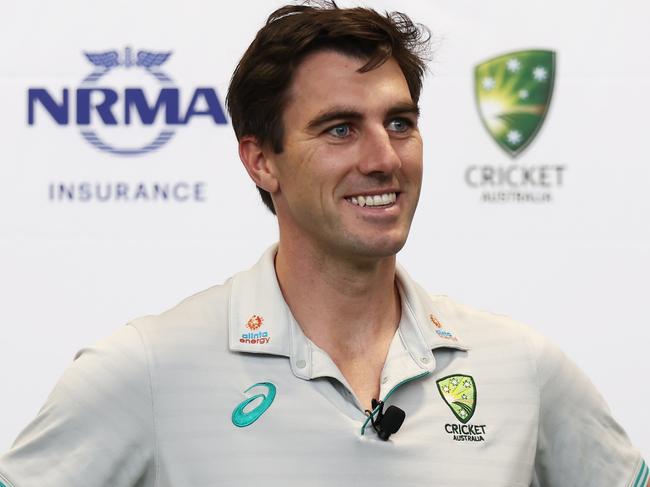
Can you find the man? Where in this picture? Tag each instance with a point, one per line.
(285, 374)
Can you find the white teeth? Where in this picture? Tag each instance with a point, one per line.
(376, 200)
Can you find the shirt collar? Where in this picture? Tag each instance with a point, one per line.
(261, 322)
(436, 328)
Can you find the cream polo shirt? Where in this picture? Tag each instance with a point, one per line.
(226, 390)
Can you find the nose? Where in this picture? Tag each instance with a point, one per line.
(379, 154)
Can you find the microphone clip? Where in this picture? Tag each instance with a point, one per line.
(387, 422)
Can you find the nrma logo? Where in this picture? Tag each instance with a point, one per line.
(140, 117)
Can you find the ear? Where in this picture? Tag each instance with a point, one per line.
(260, 168)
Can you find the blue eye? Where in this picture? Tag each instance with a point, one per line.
(340, 131)
(399, 125)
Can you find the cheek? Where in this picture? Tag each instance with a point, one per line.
(327, 166)
(331, 159)
(410, 153)
(300, 174)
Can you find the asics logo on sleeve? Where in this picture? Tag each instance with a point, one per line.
(241, 418)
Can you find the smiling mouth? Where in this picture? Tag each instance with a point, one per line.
(377, 200)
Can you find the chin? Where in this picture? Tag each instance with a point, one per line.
(382, 247)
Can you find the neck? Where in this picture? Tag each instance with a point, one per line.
(340, 304)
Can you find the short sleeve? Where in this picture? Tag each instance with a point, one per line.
(96, 427)
(579, 442)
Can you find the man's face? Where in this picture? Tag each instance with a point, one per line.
(350, 173)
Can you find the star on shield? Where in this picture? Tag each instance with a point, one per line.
(459, 392)
(513, 93)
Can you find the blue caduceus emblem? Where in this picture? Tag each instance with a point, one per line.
(106, 60)
(104, 63)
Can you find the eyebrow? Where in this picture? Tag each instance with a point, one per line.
(336, 113)
(350, 113)
(404, 108)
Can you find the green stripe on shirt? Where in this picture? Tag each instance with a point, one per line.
(642, 477)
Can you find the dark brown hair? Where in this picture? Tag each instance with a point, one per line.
(258, 89)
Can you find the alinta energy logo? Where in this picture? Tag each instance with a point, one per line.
(255, 335)
(513, 95)
(126, 106)
(440, 330)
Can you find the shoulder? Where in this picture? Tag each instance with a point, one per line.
(481, 328)
(504, 341)
(572, 417)
(101, 406)
(205, 307)
(200, 317)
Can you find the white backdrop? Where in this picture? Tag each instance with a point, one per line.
(574, 268)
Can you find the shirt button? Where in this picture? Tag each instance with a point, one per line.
(301, 364)
(425, 360)
(384, 380)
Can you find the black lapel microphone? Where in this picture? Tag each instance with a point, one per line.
(387, 422)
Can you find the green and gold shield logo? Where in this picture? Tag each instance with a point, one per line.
(459, 392)
(513, 93)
